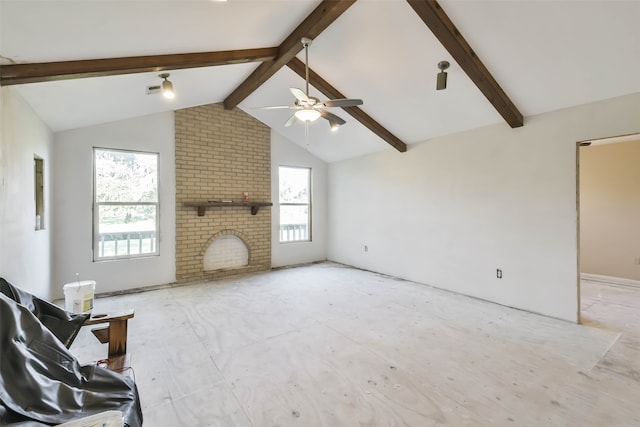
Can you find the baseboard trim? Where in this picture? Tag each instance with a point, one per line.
(610, 279)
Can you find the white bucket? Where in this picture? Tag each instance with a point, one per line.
(78, 296)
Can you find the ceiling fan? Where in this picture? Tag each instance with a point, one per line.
(309, 108)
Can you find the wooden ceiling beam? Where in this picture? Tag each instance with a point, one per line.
(445, 31)
(329, 91)
(13, 74)
(321, 17)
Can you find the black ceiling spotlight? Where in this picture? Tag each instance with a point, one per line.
(441, 82)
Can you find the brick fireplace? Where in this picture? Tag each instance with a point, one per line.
(220, 155)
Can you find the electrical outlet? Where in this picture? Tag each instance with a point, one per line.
(366, 248)
(636, 261)
(499, 273)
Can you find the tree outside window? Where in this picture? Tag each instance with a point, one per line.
(125, 204)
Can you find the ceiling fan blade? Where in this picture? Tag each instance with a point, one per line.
(291, 121)
(341, 103)
(333, 119)
(275, 107)
(300, 95)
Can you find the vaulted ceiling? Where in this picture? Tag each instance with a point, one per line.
(509, 59)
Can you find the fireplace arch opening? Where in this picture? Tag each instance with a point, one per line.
(226, 250)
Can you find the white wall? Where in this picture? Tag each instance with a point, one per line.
(24, 252)
(72, 201)
(287, 153)
(452, 210)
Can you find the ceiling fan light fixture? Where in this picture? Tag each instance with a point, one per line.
(441, 82)
(308, 114)
(167, 86)
(309, 108)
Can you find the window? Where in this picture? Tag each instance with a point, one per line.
(125, 204)
(295, 204)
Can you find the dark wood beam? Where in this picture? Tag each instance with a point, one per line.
(322, 16)
(323, 86)
(444, 30)
(48, 71)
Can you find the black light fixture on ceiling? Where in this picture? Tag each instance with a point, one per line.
(441, 82)
(167, 86)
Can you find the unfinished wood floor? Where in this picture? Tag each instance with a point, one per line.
(328, 345)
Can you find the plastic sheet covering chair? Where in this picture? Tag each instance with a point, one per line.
(65, 325)
(43, 384)
(62, 324)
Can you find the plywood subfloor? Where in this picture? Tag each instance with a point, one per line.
(329, 345)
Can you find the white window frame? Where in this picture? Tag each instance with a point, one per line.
(308, 204)
(96, 210)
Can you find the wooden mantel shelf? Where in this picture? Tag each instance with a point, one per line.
(202, 206)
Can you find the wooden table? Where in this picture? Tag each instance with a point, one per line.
(115, 333)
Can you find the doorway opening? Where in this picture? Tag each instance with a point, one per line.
(608, 207)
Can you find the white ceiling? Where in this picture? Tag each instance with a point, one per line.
(545, 54)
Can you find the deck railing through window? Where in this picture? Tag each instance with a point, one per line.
(127, 243)
(294, 232)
